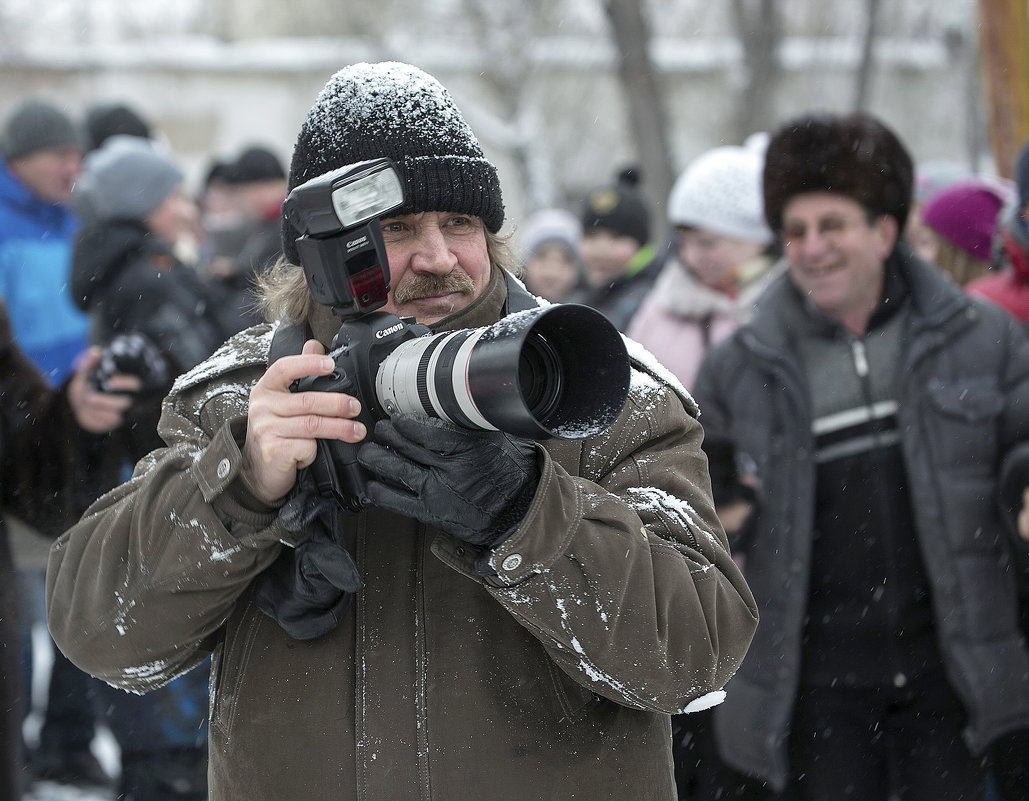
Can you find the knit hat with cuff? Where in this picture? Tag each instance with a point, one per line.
(967, 214)
(720, 191)
(125, 179)
(395, 110)
(620, 208)
(36, 125)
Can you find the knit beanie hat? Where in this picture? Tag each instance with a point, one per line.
(395, 110)
(720, 191)
(254, 164)
(619, 208)
(126, 179)
(549, 226)
(966, 214)
(110, 119)
(36, 125)
(854, 155)
(1022, 175)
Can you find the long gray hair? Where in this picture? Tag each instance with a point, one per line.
(283, 293)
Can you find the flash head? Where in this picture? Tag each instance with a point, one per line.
(344, 198)
(340, 246)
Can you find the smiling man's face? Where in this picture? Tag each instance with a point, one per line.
(438, 263)
(837, 255)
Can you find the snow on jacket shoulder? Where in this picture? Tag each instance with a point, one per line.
(615, 603)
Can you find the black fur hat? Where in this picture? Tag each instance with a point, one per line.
(395, 110)
(854, 155)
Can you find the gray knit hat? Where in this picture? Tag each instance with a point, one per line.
(125, 179)
(36, 125)
(391, 109)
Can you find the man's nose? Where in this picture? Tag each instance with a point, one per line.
(432, 251)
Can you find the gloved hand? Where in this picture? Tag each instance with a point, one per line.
(308, 589)
(477, 485)
(135, 354)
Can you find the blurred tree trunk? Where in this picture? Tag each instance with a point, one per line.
(1005, 55)
(645, 107)
(864, 74)
(760, 32)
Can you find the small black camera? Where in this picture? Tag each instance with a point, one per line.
(560, 371)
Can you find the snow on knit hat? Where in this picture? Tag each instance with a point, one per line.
(854, 155)
(549, 226)
(720, 191)
(125, 179)
(966, 214)
(395, 110)
(619, 208)
(36, 125)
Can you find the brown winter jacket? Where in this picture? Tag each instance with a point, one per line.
(616, 603)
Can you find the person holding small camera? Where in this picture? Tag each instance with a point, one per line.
(154, 318)
(505, 618)
(48, 440)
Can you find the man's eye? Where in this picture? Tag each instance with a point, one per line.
(832, 224)
(392, 227)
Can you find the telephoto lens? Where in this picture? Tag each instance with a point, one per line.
(560, 371)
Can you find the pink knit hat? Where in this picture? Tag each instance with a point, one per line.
(965, 213)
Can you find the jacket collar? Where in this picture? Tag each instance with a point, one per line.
(781, 312)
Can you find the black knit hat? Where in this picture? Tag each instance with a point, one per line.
(854, 155)
(113, 119)
(36, 125)
(618, 207)
(254, 164)
(395, 110)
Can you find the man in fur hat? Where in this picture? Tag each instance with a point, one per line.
(879, 404)
(506, 619)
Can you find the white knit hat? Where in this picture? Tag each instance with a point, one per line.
(720, 191)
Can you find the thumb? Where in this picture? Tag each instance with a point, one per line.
(313, 348)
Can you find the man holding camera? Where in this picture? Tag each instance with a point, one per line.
(503, 618)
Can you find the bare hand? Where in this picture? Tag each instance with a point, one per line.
(98, 412)
(283, 426)
(1023, 516)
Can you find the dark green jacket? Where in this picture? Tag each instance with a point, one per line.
(615, 604)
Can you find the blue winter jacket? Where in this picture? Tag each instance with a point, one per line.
(35, 267)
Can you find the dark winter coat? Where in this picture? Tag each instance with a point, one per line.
(615, 604)
(129, 280)
(41, 448)
(963, 390)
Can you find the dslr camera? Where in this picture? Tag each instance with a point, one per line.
(561, 371)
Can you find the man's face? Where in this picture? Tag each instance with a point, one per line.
(438, 263)
(49, 173)
(836, 255)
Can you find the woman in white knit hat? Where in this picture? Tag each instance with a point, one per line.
(720, 263)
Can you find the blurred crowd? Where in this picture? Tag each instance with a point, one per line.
(814, 304)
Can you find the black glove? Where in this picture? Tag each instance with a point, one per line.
(477, 485)
(308, 589)
(133, 354)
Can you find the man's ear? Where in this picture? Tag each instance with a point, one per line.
(887, 230)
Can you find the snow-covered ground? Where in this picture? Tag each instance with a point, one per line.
(104, 746)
